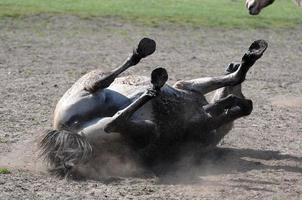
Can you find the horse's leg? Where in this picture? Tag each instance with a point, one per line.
(159, 77)
(221, 93)
(121, 120)
(142, 130)
(145, 48)
(221, 113)
(208, 84)
(225, 105)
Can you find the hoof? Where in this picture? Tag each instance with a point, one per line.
(247, 107)
(255, 51)
(232, 67)
(145, 47)
(159, 77)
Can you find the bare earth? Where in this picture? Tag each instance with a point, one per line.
(41, 56)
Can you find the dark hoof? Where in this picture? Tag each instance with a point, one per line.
(145, 47)
(247, 106)
(232, 67)
(255, 51)
(159, 77)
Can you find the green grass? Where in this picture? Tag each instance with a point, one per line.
(213, 13)
(2, 141)
(4, 171)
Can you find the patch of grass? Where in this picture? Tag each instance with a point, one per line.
(4, 171)
(213, 13)
(2, 140)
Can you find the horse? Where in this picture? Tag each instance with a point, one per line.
(118, 122)
(255, 6)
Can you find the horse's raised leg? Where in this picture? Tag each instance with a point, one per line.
(159, 77)
(145, 48)
(223, 92)
(218, 134)
(208, 84)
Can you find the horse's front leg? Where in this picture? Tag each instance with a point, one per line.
(159, 77)
(225, 110)
(208, 84)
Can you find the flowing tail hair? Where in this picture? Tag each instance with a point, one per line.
(64, 149)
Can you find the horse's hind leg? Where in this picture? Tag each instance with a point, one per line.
(208, 84)
(226, 91)
(145, 48)
(220, 94)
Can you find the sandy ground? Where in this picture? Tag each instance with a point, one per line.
(41, 56)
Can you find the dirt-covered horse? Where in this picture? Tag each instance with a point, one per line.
(107, 124)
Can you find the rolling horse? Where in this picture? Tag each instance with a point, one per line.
(106, 118)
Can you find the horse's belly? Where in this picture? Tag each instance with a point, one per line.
(174, 110)
(133, 92)
(75, 110)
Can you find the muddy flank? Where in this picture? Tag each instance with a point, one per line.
(41, 56)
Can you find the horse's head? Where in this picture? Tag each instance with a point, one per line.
(255, 6)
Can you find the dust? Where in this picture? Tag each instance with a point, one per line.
(23, 155)
(108, 163)
(114, 160)
(192, 163)
(105, 163)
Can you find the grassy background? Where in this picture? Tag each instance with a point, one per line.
(213, 13)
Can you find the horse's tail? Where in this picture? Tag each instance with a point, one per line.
(63, 149)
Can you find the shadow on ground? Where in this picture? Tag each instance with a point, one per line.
(224, 161)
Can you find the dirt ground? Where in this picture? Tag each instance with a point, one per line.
(41, 56)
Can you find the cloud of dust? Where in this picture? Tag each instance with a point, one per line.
(192, 163)
(117, 160)
(23, 155)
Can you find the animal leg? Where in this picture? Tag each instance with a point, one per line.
(226, 111)
(228, 104)
(235, 108)
(226, 91)
(219, 106)
(208, 84)
(220, 132)
(121, 119)
(145, 48)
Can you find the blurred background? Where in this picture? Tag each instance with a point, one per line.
(213, 13)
